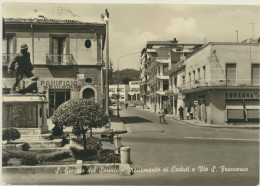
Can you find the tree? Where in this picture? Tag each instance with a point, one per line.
(82, 115)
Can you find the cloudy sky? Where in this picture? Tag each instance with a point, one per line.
(132, 25)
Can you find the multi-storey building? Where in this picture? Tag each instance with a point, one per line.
(121, 90)
(156, 59)
(66, 55)
(224, 78)
(134, 92)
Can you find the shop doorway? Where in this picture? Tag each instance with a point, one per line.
(88, 93)
(56, 98)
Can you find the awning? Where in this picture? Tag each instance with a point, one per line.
(255, 107)
(234, 107)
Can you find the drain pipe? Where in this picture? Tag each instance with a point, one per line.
(32, 43)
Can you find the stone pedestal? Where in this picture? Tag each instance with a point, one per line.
(27, 113)
(125, 155)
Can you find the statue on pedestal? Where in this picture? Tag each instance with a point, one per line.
(21, 64)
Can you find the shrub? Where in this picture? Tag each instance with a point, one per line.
(5, 158)
(81, 114)
(10, 134)
(54, 156)
(108, 156)
(30, 159)
(57, 130)
(92, 143)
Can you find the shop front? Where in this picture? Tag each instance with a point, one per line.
(242, 106)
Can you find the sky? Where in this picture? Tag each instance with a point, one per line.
(132, 25)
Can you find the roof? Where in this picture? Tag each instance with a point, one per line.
(171, 43)
(220, 43)
(47, 21)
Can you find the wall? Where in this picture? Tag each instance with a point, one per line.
(82, 55)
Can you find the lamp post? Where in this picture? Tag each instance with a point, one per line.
(237, 35)
(118, 78)
(105, 17)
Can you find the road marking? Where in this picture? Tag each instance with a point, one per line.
(228, 139)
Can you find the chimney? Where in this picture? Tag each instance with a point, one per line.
(175, 40)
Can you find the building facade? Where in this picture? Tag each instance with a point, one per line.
(222, 79)
(66, 55)
(134, 92)
(157, 59)
(121, 90)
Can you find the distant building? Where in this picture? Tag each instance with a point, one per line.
(134, 92)
(66, 54)
(223, 78)
(156, 60)
(121, 90)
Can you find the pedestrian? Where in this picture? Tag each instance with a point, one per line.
(188, 112)
(22, 64)
(126, 105)
(165, 107)
(162, 116)
(181, 112)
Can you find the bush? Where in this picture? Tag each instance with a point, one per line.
(30, 159)
(108, 156)
(92, 143)
(10, 134)
(57, 130)
(54, 156)
(5, 158)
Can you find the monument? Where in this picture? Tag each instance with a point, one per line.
(25, 108)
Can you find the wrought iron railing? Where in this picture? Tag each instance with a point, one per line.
(6, 58)
(64, 59)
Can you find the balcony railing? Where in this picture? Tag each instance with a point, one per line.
(220, 83)
(176, 67)
(55, 59)
(6, 58)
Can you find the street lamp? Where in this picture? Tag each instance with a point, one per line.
(105, 17)
(118, 78)
(237, 35)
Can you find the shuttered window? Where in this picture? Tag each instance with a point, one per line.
(231, 74)
(255, 74)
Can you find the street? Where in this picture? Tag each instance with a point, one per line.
(173, 154)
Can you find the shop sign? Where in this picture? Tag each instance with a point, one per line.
(242, 95)
(60, 84)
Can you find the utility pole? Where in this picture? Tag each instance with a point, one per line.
(237, 35)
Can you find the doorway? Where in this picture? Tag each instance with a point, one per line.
(88, 93)
(57, 97)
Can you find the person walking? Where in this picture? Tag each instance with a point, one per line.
(181, 112)
(126, 105)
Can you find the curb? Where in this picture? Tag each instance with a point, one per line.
(214, 126)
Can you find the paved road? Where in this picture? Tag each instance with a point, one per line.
(176, 154)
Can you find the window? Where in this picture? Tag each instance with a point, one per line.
(198, 73)
(204, 72)
(189, 77)
(255, 74)
(175, 82)
(194, 75)
(9, 48)
(165, 85)
(183, 80)
(231, 74)
(59, 48)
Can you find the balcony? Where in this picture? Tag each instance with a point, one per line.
(176, 67)
(220, 83)
(6, 58)
(56, 59)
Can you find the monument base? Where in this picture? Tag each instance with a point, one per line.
(27, 113)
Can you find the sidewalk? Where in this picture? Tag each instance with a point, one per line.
(199, 123)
